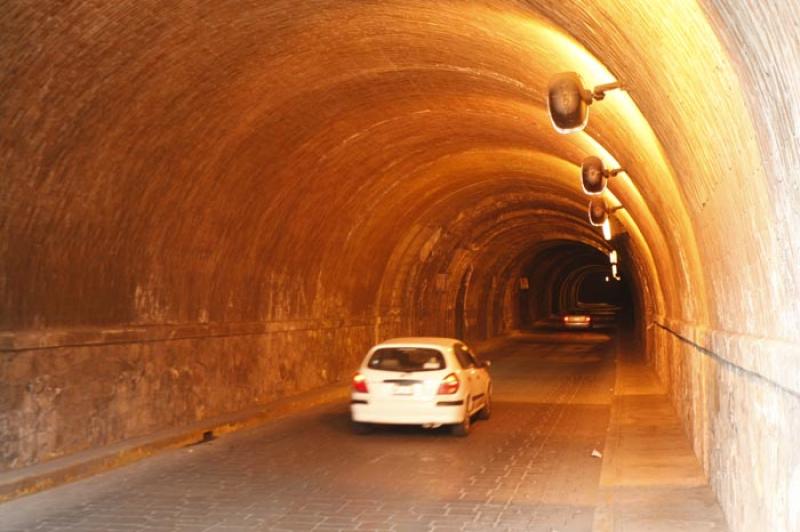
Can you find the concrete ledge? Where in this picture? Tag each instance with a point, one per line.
(650, 478)
(16, 341)
(29, 480)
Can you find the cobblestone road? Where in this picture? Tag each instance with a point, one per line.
(528, 468)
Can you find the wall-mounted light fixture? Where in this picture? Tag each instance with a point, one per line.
(615, 273)
(594, 175)
(568, 101)
(607, 229)
(612, 257)
(599, 211)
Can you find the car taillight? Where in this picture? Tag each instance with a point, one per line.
(449, 385)
(360, 383)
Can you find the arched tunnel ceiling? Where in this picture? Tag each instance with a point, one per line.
(270, 159)
(207, 206)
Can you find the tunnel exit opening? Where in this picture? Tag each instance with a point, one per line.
(569, 276)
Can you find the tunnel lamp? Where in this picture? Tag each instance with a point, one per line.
(599, 211)
(612, 257)
(615, 273)
(594, 175)
(607, 279)
(607, 229)
(568, 101)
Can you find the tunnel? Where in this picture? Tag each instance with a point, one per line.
(208, 207)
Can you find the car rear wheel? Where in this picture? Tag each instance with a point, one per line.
(360, 428)
(486, 411)
(462, 429)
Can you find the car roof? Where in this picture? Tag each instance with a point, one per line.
(419, 341)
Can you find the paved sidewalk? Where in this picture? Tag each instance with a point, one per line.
(651, 480)
(29, 480)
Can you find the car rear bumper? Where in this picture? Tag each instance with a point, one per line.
(442, 411)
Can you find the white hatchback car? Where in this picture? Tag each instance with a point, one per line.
(421, 381)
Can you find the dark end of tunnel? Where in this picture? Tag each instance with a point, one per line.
(571, 277)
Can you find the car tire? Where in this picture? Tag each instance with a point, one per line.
(462, 429)
(360, 428)
(486, 411)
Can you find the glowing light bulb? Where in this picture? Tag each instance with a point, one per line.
(607, 229)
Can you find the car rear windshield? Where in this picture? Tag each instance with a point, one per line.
(406, 359)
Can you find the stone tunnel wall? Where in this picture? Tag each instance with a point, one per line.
(736, 383)
(86, 390)
(741, 417)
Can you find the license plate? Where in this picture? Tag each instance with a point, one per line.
(403, 389)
